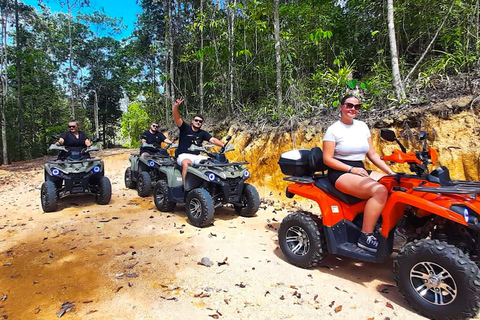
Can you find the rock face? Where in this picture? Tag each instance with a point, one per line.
(454, 136)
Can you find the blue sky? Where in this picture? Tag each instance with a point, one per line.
(126, 9)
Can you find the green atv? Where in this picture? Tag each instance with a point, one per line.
(212, 183)
(74, 172)
(143, 172)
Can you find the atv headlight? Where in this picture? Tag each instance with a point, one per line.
(468, 214)
(151, 163)
(96, 169)
(211, 176)
(55, 172)
(246, 174)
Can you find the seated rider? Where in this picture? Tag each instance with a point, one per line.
(154, 137)
(345, 145)
(185, 157)
(74, 139)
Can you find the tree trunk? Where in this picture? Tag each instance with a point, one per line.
(70, 58)
(397, 80)
(4, 79)
(19, 84)
(170, 53)
(278, 58)
(200, 85)
(231, 50)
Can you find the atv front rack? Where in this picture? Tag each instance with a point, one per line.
(458, 189)
(228, 164)
(73, 161)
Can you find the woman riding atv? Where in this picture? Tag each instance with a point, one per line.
(345, 145)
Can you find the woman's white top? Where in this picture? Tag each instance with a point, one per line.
(351, 140)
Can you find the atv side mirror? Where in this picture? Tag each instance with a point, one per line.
(95, 139)
(54, 136)
(423, 135)
(228, 138)
(388, 135)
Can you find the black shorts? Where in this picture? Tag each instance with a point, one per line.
(333, 174)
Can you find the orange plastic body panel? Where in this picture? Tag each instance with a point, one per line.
(334, 211)
(402, 157)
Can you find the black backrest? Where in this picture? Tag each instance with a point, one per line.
(315, 160)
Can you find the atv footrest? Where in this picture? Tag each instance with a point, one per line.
(352, 250)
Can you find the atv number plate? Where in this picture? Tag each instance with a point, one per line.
(335, 209)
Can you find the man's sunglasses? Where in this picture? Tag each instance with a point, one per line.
(198, 120)
(154, 125)
(71, 126)
(349, 105)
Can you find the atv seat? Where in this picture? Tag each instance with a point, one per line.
(325, 185)
(316, 164)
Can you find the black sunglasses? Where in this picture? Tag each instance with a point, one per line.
(154, 125)
(71, 126)
(198, 120)
(349, 105)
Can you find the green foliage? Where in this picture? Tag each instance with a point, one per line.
(134, 122)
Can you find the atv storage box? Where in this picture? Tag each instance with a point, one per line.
(295, 162)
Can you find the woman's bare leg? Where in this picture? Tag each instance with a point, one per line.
(365, 188)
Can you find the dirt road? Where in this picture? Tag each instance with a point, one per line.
(126, 260)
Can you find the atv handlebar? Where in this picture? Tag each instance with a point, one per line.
(418, 160)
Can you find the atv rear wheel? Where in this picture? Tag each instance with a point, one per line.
(144, 184)
(129, 183)
(438, 279)
(161, 198)
(250, 201)
(302, 240)
(48, 196)
(200, 207)
(104, 191)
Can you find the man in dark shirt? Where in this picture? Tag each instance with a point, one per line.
(74, 139)
(186, 158)
(155, 137)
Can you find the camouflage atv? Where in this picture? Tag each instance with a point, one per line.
(212, 183)
(143, 172)
(76, 173)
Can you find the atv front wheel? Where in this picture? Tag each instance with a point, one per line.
(129, 183)
(144, 184)
(250, 201)
(48, 196)
(104, 191)
(200, 208)
(438, 279)
(161, 198)
(302, 240)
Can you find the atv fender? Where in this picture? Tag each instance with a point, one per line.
(396, 204)
(193, 180)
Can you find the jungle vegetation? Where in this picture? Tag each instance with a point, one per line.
(250, 61)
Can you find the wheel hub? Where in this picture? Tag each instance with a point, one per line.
(433, 283)
(196, 208)
(297, 240)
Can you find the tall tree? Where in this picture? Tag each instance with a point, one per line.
(278, 57)
(231, 49)
(5, 8)
(200, 84)
(397, 78)
(72, 5)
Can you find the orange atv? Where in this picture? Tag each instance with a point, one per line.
(434, 218)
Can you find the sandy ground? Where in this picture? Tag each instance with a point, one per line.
(126, 260)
